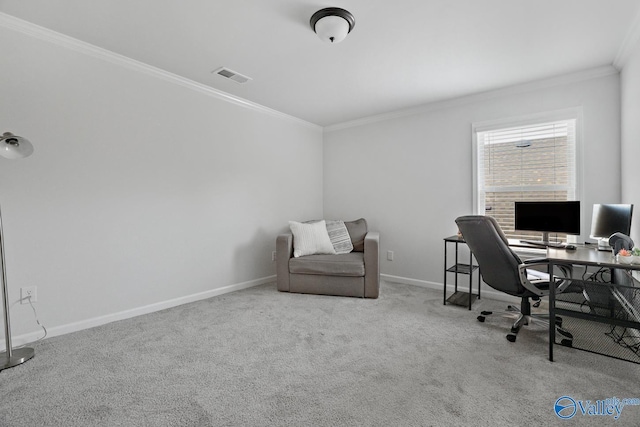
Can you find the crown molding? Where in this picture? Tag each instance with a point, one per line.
(628, 45)
(45, 34)
(592, 73)
(50, 36)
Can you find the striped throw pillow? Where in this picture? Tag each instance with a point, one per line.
(339, 236)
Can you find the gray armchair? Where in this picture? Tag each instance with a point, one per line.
(356, 274)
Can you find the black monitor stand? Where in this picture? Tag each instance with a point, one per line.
(544, 243)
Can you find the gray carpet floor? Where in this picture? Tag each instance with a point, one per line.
(258, 357)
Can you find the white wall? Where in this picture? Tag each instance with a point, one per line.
(410, 175)
(141, 190)
(630, 93)
(114, 214)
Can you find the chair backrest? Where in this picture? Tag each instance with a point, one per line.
(498, 263)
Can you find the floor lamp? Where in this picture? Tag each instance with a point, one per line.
(11, 147)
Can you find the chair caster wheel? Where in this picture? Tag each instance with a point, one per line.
(559, 322)
(486, 313)
(480, 318)
(511, 337)
(566, 343)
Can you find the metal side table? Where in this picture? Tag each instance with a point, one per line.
(460, 297)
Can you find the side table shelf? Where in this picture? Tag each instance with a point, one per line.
(460, 297)
(462, 268)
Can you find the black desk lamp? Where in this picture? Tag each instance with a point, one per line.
(11, 147)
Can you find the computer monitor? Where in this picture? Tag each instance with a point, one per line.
(548, 217)
(609, 219)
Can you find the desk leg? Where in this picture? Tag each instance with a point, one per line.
(470, 279)
(552, 313)
(455, 279)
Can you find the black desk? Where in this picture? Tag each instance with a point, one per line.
(587, 256)
(584, 256)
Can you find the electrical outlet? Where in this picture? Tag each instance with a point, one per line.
(389, 255)
(26, 292)
(273, 256)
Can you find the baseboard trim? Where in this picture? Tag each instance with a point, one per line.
(21, 340)
(486, 291)
(408, 281)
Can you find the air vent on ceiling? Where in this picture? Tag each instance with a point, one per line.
(231, 75)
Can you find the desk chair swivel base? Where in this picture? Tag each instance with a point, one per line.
(524, 317)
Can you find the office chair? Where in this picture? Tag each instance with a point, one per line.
(504, 271)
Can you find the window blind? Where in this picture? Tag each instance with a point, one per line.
(526, 163)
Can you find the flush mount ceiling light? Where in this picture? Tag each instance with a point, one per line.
(14, 147)
(332, 24)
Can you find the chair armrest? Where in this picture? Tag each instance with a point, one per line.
(537, 261)
(372, 264)
(565, 269)
(530, 285)
(284, 251)
(560, 282)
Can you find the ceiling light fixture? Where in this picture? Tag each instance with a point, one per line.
(14, 147)
(332, 24)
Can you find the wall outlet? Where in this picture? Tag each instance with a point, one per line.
(389, 255)
(26, 292)
(273, 256)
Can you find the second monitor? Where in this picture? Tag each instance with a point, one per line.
(548, 217)
(609, 219)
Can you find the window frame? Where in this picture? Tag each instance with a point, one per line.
(529, 120)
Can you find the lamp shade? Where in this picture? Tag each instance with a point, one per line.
(332, 24)
(14, 147)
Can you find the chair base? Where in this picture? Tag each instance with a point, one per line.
(524, 317)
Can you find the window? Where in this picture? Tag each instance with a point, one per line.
(533, 160)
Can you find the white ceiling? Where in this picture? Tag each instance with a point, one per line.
(401, 53)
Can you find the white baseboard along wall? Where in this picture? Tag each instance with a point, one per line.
(31, 337)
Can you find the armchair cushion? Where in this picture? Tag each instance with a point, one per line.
(351, 264)
(357, 230)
